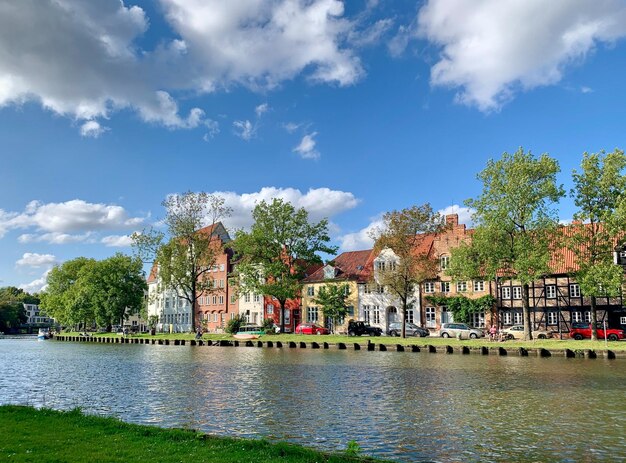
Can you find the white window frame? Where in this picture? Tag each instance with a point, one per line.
(429, 287)
(507, 318)
(444, 262)
(310, 290)
(366, 313)
(477, 319)
(445, 286)
(431, 317)
(517, 293)
(312, 314)
(479, 285)
(505, 292)
(551, 291)
(461, 286)
(588, 316)
(622, 320)
(376, 315)
(574, 290)
(577, 316)
(518, 318)
(552, 318)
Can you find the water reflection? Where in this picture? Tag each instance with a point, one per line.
(412, 407)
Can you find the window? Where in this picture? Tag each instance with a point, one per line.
(232, 315)
(221, 300)
(214, 300)
(430, 317)
(446, 315)
(477, 319)
(346, 290)
(445, 286)
(222, 283)
(232, 298)
(380, 289)
(376, 314)
(410, 316)
(552, 318)
(551, 291)
(429, 287)
(310, 290)
(461, 286)
(367, 289)
(270, 309)
(588, 316)
(257, 298)
(622, 320)
(574, 290)
(506, 292)
(517, 292)
(507, 317)
(479, 286)
(221, 267)
(312, 314)
(380, 266)
(577, 316)
(444, 262)
(517, 318)
(366, 313)
(246, 297)
(215, 317)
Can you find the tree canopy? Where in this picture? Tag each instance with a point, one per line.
(281, 244)
(515, 223)
(408, 233)
(599, 191)
(189, 248)
(332, 298)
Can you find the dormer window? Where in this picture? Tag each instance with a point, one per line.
(329, 272)
(444, 262)
(380, 266)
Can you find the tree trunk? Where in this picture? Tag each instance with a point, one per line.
(403, 319)
(528, 332)
(594, 319)
(282, 316)
(193, 306)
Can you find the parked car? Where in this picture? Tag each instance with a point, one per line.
(358, 328)
(452, 330)
(517, 332)
(612, 334)
(311, 328)
(395, 329)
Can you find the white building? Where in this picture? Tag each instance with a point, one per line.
(35, 316)
(251, 306)
(173, 313)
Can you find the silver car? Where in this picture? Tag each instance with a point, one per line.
(395, 329)
(453, 330)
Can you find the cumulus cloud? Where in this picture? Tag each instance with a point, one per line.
(245, 130)
(117, 241)
(490, 49)
(261, 109)
(66, 222)
(36, 286)
(320, 203)
(31, 259)
(84, 59)
(306, 148)
(361, 239)
(92, 129)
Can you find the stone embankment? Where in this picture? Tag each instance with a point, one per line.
(368, 346)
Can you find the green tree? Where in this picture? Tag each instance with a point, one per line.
(186, 252)
(117, 287)
(599, 189)
(274, 254)
(13, 294)
(68, 297)
(332, 298)
(12, 315)
(515, 224)
(407, 233)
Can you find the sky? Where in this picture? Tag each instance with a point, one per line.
(349, 109)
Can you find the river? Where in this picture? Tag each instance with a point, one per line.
(402, 406)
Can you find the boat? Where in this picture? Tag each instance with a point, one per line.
(44, 333)
(247, 332)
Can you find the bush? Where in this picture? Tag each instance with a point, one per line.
(268, 325)
(234, 323)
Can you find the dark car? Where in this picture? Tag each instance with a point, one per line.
(359, 328)
(395, 329)
(311, 328)
(612, 334)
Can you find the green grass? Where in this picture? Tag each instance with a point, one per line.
(30, 435)
(433, 340)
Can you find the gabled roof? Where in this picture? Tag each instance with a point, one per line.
(349, 266)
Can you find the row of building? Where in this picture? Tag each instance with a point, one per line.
(556, 300)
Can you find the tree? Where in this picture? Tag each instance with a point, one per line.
(332, 298)
(12, 315)
(186, 252)
(599, 189)
(274, 254)
(67, 297)
(117, 287)
(407, 233)
(515, 224)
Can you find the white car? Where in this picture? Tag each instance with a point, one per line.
(517, 332)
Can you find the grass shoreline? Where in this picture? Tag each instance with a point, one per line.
(548, 344)
(45, 435)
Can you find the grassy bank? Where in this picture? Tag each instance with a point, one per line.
(432, 340)
(30, 435)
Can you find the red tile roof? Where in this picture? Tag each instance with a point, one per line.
(349, 266)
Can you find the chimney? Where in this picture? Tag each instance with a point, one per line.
(452, 219)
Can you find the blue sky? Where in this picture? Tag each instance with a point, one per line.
(349, 109)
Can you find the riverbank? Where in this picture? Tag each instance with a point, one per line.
(541, 347)
(30, 435)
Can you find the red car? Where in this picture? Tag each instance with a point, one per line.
(579, 332)
(311, 328)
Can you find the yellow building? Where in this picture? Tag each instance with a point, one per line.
(349, 268)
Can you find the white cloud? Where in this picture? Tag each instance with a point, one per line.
(213, 128)
(92, 129)
(37, 285)
(117, 241)
(84, 59)
(584, 89)
(371, 35)
(31, 259)
(245, 130)
(464, 213)
(320, 203)
(70, 221)
(361, 239)
(306, 148)
(291, 127)
(491, 49)
(261, 109)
